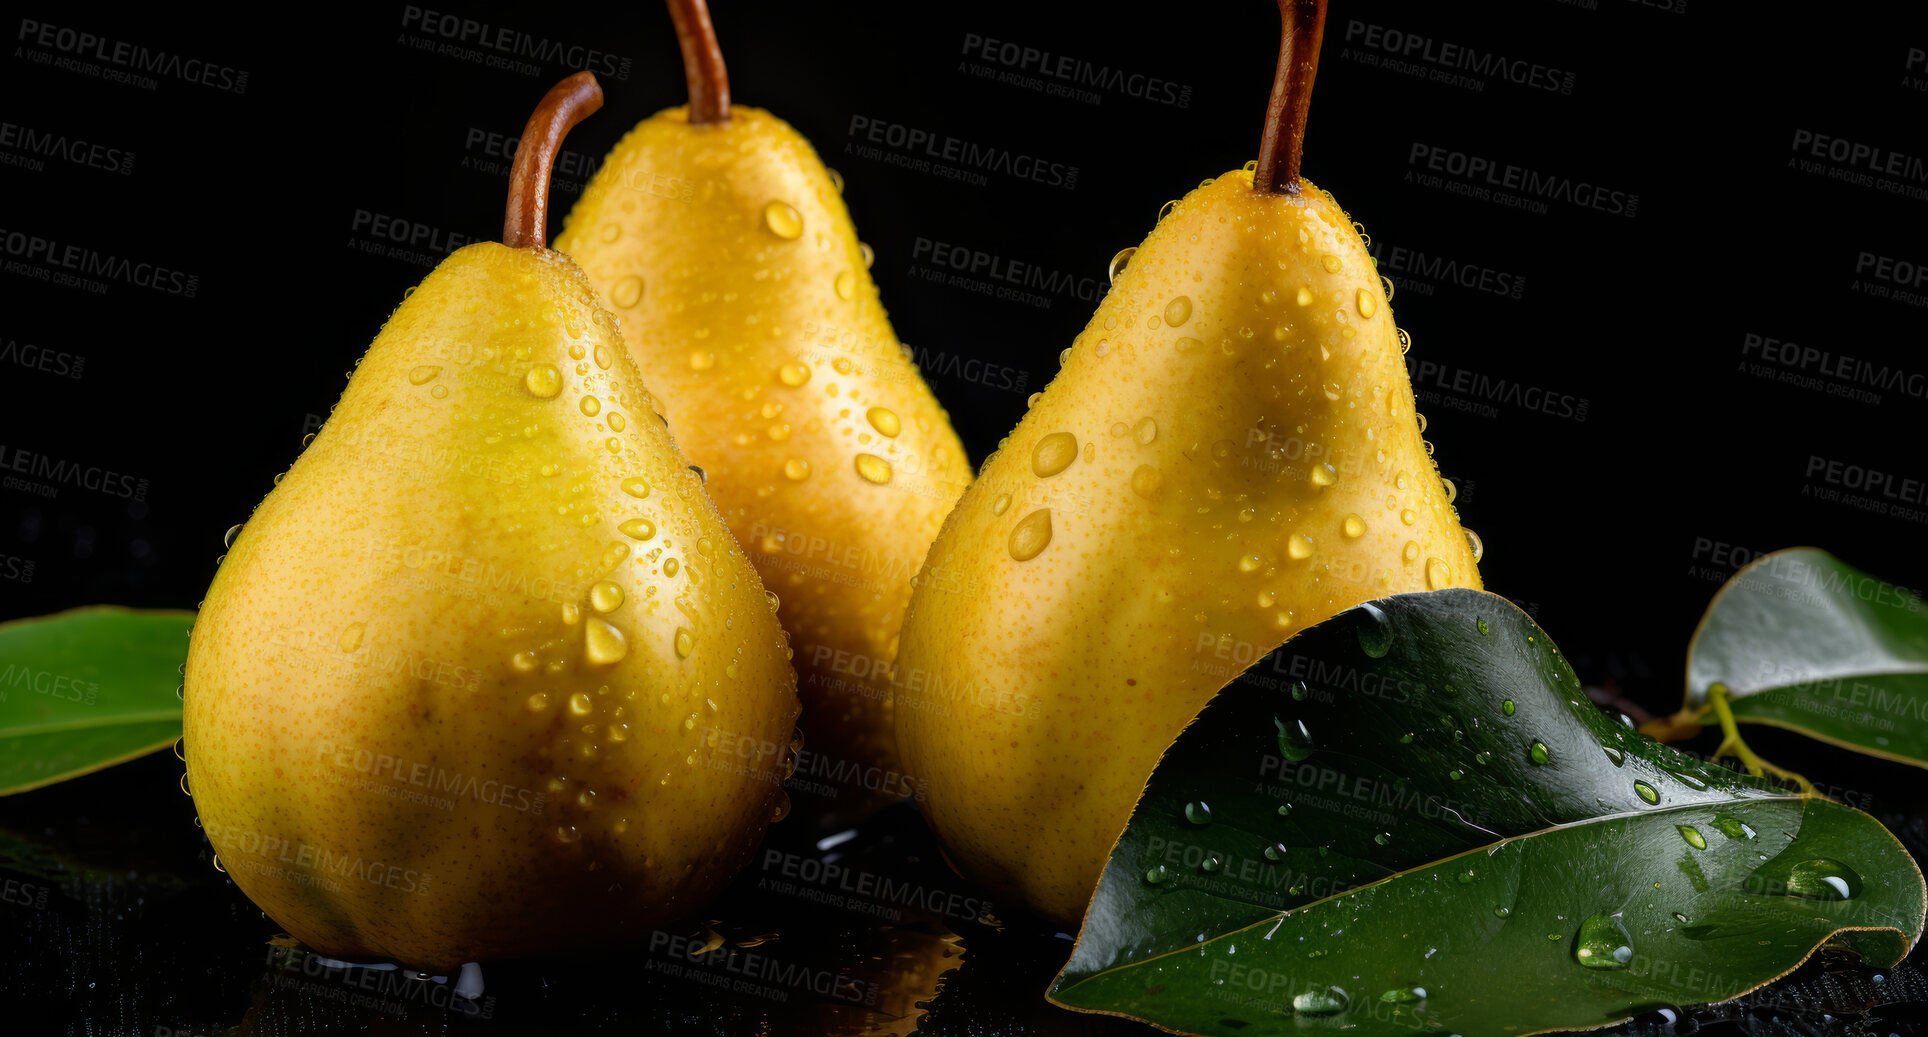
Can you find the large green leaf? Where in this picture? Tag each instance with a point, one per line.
(1416, 795)
(1803, 640)
(86, 689)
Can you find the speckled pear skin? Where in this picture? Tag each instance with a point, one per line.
(486, 676)
(1228, 456)
(744, 295)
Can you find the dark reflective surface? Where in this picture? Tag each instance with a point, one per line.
(114, 921)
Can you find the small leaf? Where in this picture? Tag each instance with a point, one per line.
(1803, 640)
(86, 689)
(1434, 861)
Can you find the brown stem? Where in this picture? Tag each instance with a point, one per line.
(525, 225)
(1301, 25)
(702, 62)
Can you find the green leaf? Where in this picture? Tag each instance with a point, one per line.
(86, 689)
(1805, 641)
(1416, 795)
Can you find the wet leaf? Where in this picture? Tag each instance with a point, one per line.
(86, 689)
(1802, 640)
(1388, 848)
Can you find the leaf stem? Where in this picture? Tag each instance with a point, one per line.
(1301, 26)
(703, 69)
(1732, 744)
(525, 223)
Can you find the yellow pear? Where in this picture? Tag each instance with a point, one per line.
(722, 243)
(1229, 455)
(455, 693)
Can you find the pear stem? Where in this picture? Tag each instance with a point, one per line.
(1301, 26)
(526, 223)
(709, 81)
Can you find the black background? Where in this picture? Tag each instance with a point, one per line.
(1605, 528)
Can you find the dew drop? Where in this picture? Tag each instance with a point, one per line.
(1732, 827)
(636, 486)
(1646, 792)
(543, 381)
(1198, 812)
(1692, 836)
(1031, 535)
(783, 219)
(1375, 631)
(1146, 481)
(796, 469)
(1178, 311)
(1823, 878)
(1329, 1001)
(1155, 875)
(606, 596)
(685, 642)
(1367, 304)
(423, 375)
(1689, 779)
(1295, 739)
(638, 529)
(1603, 943)
(580, 704)
(1118, 263)
(351, 637)
(1298, 546)
(1053, 454)
(1537, 752)
(793, 374)
(1145, 431)
(1439, 575)
(625, 293)
(846, 285)
(1355, 527)
(884, 421)
(591, 406)
(873, 468)
(603, 643)
(614, 554)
